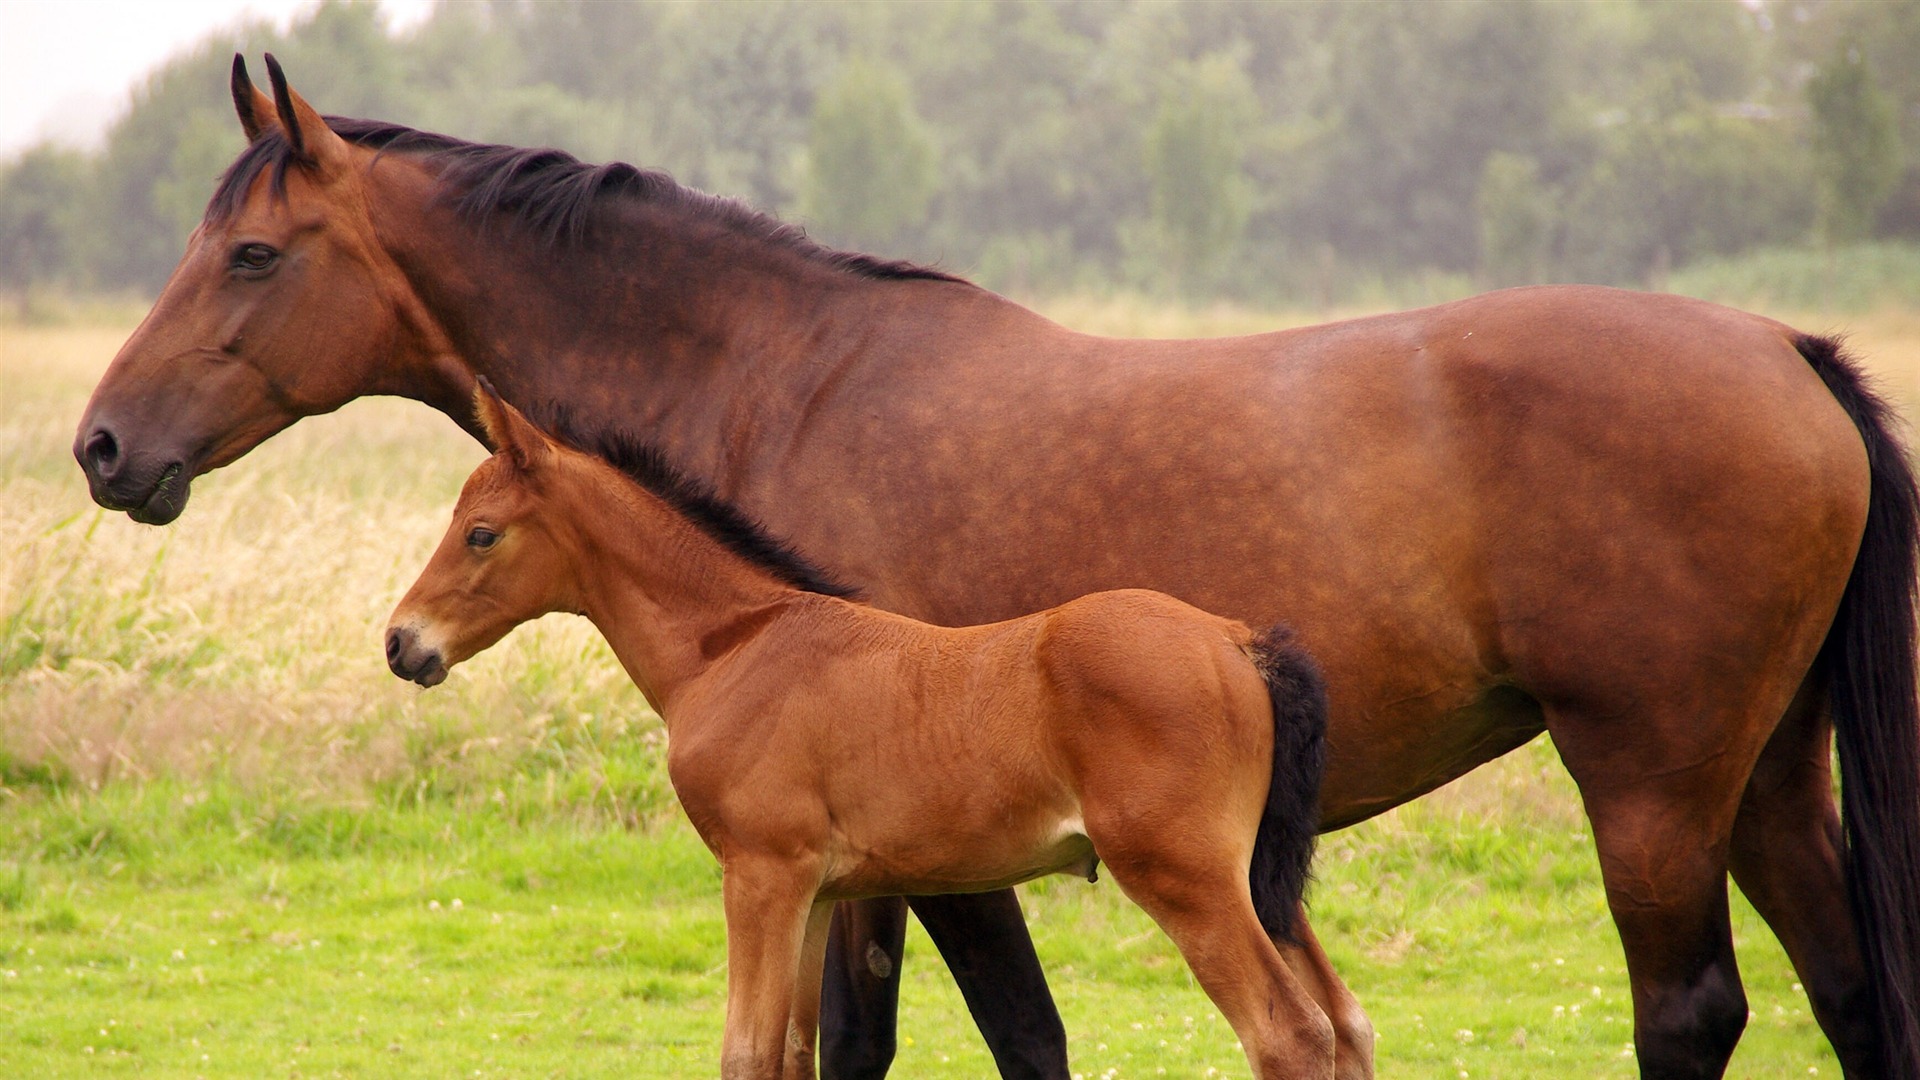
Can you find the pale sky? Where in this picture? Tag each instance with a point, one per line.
(73, 64)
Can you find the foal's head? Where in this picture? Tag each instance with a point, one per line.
(505, 559)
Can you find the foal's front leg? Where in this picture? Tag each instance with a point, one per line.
(767, 904)
(804, 1021)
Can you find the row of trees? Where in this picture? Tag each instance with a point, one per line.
(1264, 150)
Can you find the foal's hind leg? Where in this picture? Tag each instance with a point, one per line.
(1204, 906)
(1352, 1031)
(1786, 857)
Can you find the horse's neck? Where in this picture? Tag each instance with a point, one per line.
(668, 598)
(657, 326)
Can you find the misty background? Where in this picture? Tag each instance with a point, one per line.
(1315, 152)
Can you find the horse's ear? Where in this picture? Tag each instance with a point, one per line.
(512, 433)
(313, 141)
(254, 106)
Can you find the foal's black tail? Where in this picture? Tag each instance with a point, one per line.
(1283, 847)
(1869, 660)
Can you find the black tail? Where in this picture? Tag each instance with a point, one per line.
(1869, 661)
(1283, 848)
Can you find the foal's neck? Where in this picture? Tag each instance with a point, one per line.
(670, 599)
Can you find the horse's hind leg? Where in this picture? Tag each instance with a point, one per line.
(1352, 1031)
(1662, 807)
(1786, 857)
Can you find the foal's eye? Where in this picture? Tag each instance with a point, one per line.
(482, 538)
(254, 258)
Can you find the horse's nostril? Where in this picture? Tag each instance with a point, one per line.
(394, 647)
(103, 453)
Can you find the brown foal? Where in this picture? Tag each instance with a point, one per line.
(825, 749)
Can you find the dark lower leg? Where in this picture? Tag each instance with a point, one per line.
(860, 993)
(1786, 858)
(1667, 887)
(983, 939)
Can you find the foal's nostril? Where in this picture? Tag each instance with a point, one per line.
(103, 454)
(393, 647)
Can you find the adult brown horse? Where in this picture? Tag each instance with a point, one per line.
(825, 749)
(1679, 538)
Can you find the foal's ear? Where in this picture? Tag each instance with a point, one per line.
(512, 433)
(313, 141)
(256, 109)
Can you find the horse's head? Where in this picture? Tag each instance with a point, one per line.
(502, 561)
(285, 305)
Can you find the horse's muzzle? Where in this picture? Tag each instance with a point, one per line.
(152, 490)
(409, 660)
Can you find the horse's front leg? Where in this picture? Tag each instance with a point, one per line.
(767, 905)
(804, 1021)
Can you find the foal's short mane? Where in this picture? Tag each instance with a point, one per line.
(551, 192)
(694, 500)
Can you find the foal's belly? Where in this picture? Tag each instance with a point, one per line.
(930, 860)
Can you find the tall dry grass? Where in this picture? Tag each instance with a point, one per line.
(242, 644)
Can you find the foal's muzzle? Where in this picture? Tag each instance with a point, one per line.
(407, 658)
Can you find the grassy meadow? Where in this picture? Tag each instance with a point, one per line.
(231, 844)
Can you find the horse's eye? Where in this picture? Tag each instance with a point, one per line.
(482, 538)
(254, 258)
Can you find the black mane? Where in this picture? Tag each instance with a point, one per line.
(551, 192)
(737, 531)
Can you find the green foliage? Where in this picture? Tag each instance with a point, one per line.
(870, 161)
(1672, 177)
(1856, 145)
(1852, 278)
(1318, 151)
(39, 217)
(1517, 221)
(1195, 154)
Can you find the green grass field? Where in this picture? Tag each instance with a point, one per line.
(231, 844)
